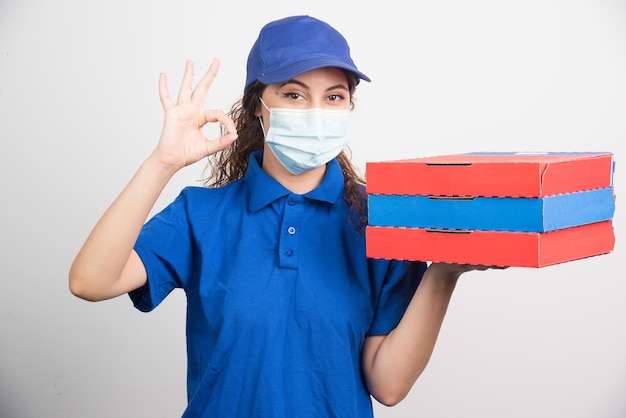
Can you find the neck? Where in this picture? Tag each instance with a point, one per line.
(295, 183)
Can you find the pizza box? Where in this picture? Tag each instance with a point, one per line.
(492, 174)
(491, 248)
(518, 214)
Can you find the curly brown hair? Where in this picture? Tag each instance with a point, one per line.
(231, 163)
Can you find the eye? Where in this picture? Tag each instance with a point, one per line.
(336, 97)
(292, 95)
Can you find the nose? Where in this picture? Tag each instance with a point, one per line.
(315, 103)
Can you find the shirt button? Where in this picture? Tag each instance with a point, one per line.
(291, 202)
(291, 230)
(288, 253)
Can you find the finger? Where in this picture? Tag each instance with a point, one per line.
(186, 86)
(164, 94)
(201, 90)
(221, 117)
(213, 146)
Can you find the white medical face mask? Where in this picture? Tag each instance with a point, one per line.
(304, 139)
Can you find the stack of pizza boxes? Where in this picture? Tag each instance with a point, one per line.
(495, 209)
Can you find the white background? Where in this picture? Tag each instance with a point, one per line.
(79, 111)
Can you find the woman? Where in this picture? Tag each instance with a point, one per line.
(286, 315)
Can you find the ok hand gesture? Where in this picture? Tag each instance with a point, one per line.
(182, 140)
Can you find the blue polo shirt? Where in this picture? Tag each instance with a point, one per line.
(280, 296)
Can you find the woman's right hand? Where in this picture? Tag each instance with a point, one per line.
(182, 140)
(107, 265)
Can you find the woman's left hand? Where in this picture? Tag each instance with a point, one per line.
(455, 269)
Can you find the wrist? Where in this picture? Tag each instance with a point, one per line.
(157, 163)
(156, 172)
(452, 271)
(445, 273)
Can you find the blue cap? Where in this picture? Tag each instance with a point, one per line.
(294, 45)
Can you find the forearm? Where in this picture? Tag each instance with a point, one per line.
(98, 266)
(396, 361)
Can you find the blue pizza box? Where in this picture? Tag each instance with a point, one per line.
(516, 214)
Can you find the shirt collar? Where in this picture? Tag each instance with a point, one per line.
(263, 189)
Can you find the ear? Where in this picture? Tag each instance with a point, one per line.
(258, 110)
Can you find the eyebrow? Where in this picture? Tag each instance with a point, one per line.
(304, 86)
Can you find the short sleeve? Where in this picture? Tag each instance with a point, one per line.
(399, 283)
(165, 246)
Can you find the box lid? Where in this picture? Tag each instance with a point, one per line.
(492, 174)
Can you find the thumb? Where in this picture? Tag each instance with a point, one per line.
(219, 144)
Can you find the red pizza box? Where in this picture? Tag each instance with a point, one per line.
(491, 248)
(492, 174)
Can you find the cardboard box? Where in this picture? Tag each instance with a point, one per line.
(492, 174)
(515, 249)
(517, 214)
